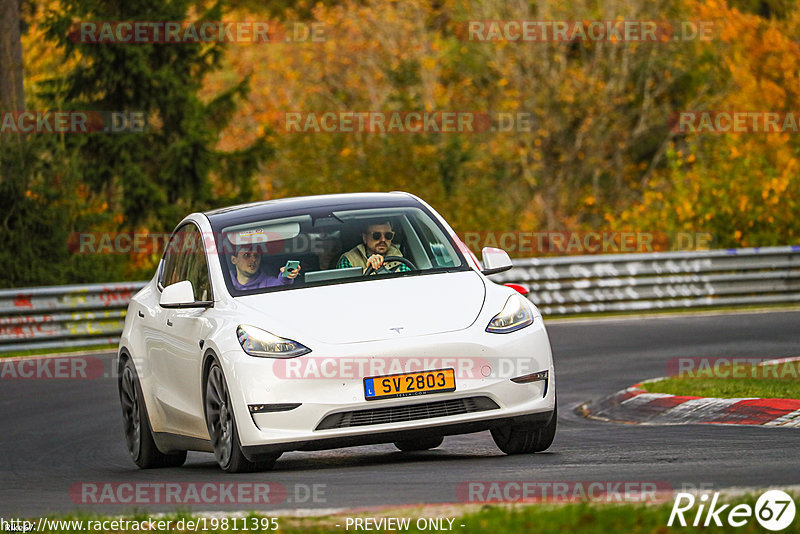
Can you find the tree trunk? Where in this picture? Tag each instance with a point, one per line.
(11, 95)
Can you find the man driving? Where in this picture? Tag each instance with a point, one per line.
(248, 275)
(376, 244)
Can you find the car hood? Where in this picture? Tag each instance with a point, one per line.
(372, 310)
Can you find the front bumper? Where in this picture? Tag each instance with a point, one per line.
(484, 367)
(253, 452)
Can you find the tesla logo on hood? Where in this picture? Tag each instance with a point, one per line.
(396, 329)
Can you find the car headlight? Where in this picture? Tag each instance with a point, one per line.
(258, 342)
(515, 314)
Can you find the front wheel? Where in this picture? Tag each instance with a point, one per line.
(526, 439)
(222, 427)
(138, 435)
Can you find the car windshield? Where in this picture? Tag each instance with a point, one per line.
(333, 249)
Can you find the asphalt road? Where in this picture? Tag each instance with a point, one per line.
(56, 434)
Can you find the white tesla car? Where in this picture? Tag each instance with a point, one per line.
(328, 321)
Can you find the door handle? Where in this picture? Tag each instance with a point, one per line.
(141, 314)
(169, 322)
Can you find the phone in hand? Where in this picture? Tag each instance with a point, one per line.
(290, 266)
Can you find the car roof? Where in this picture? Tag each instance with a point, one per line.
(223, 217)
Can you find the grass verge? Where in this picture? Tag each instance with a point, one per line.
(99, 349)
(781, 381)
(585, 518)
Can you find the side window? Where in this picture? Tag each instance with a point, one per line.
(185, 259)
(170, 273)
(438, 250)
(196, 270)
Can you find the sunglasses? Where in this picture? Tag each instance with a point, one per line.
(388, 235)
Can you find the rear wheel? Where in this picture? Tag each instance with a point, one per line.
(422, 444)
(138, 435)
(526, 439)
(222, 428)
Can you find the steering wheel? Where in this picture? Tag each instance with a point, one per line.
(387, 259)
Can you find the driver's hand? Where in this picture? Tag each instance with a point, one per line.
(375, 261)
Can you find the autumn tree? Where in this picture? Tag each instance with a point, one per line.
(742, 187)
(136, 181)
(598, 109)
(156, 177)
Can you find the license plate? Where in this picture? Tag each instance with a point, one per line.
(409, 384)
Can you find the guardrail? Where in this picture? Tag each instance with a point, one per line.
(64, 316)
(659, 280)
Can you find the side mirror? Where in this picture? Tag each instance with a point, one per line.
(180, 295)
(495, 260)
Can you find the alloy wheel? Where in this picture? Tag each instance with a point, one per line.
(218, 416)
(130, 412)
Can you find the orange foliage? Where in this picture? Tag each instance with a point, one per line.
(742, 187)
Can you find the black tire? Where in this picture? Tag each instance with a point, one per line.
(423, 444)
(138, 434)
(222, 428)
(526, 439)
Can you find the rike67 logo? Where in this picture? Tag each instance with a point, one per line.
(774, 510)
